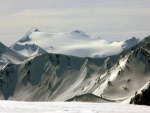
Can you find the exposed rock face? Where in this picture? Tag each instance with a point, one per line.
(142, 98)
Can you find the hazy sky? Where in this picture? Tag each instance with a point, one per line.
(109, 19)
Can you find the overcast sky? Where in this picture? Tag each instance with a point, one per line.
(109, 19)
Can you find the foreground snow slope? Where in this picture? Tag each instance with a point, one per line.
(9, 56)
(76, 43)
(69, 107)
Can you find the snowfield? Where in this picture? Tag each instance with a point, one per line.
(69, 107)
(75, 43)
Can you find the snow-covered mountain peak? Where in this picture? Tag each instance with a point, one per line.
(78, 31)
(130, 42)
(9, 56)
(28, 49)
(25, 38)
(34, 29)
(27, 46)
(81, 33)
(76, 43)
(27, 35)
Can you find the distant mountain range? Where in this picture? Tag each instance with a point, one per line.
(75, 43)
(75, 67)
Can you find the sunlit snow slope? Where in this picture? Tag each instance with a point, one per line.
(76, 43)
(52, 77)
(57, 77)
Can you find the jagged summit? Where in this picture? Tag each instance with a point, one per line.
(26, 37)
(34, 29)
(130, 42)
(81, 34)
(78, 31)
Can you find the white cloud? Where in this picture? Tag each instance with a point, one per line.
(118, 19)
